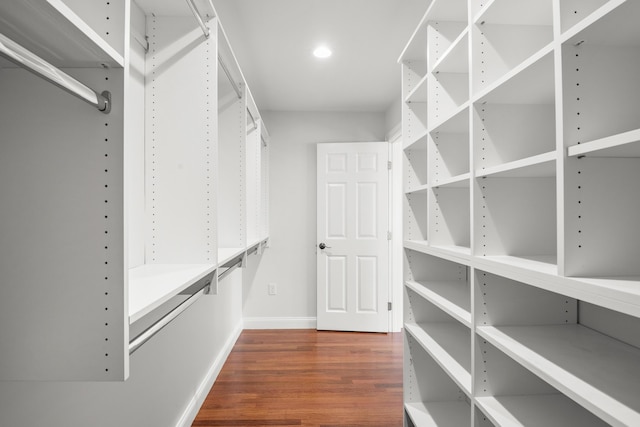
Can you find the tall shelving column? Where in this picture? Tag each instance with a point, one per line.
(521, 282)
(63, 266)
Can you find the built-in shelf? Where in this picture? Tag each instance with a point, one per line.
(449, 345)
(452, 297)
(456, 58)
(419, 141)
(598, 372)
(419, 92)
(515, 12)
(542, 165)
(151, 285)
(626, 144)
(548, 410)
(544, 264)
(419, 189)
(459, 181)
(438, 414)
(227, 254)
(76, 44)
(460, 254)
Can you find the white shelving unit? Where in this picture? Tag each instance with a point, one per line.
(521, 172)
(110, 221)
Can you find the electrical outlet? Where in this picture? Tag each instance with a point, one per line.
(273, 289)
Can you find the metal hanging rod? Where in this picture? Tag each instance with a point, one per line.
(145, 336)
(234, 85)
(230, 269)
(198, 17)
(29, 61)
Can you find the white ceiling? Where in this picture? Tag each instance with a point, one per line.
(273, 41)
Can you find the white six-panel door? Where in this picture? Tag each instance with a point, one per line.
(352, 237)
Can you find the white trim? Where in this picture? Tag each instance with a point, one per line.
(395, 133)
(280, 323)
(201, 393)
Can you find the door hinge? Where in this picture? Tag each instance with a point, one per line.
(389, 236)
(389, 164)
(389, 306)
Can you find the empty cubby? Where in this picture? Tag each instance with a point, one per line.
(443, 283)
(516, 120)
(600, 82)
(505, 34)
(431, 397)
(449, 152)
(516, 220)
(560, 340)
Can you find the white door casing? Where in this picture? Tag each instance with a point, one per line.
(352, 224)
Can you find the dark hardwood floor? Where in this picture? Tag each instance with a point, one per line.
(308, 378)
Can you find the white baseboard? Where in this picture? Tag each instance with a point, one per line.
(280, 323)
(203, 390)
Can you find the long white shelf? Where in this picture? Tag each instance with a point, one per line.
(515, 12)
(458, 181)
(418, 142)
(543, 264)
(227, 254)
(452, 120)
(452, 297)
(516, 86)
(459, 254)
(439, 414)
(598, 372)
(456, 58)
(542, 165)
(417, 189)
(56, 34)
(151, 285)
(626, 144)
(419, 93)
(544, 410)
(449, 344)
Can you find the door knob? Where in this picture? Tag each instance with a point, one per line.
(323, 246)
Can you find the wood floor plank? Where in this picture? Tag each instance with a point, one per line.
(308, 378)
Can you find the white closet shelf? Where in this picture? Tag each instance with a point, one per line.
(540, 166)
(151, 285)
(416, 47)
(227, 254)
(456, 58)
(616, 293)
(419, 93)
(56, 34)
(530, 82)
(515, 12)
(453, 120)
(458, 181)
(452, 297)
(600, 373)
(626, 144)
(458, 254)
(548, 410)
(417, 189)
(458, 122)
(419, 142)
(449, 344)
(535, 264)
(613, 24)
(438, 414)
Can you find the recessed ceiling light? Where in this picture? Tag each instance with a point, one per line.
(322, 52)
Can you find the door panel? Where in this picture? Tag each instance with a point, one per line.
(352, 225)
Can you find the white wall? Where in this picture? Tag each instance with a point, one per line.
(290, 261)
